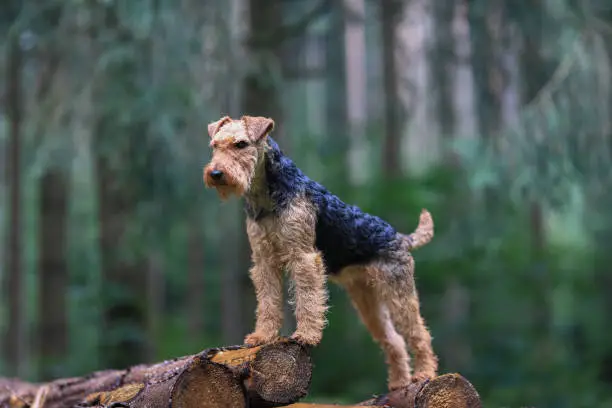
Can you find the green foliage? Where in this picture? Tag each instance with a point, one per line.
(527, 325)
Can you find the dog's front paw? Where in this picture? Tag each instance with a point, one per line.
(398, 384)
(257, 339)
(421, 376)
(306, 338)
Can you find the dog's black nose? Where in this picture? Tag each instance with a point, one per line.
(216, 174)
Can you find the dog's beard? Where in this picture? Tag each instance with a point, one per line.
(236, 181)
(228, 187)
(226, 191)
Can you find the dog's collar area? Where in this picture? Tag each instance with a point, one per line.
(258, 214)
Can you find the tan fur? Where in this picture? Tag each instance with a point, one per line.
(401, 298)
(365, 296)
(383, 292)
(238, 165)
(301, 260)
(424, 232)
(266, 275)
(375, 288)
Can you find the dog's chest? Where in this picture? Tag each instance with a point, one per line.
(271, 230)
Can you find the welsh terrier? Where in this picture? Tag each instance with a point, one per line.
(295, 224)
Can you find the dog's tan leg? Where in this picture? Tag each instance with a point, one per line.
(411, 324)
(399, 292)
(296, 226)
(267, 280)
(308, 275)
(269, 292)
(375, 315)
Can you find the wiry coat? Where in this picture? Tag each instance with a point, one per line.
(296, 224)
(345, 234)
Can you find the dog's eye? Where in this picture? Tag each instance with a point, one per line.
(241, 144)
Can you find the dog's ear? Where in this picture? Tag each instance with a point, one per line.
(214, 127)
(257, 127)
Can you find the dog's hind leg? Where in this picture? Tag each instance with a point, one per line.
(399, 293)
(375, 315)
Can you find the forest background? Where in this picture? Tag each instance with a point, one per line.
(493, 114)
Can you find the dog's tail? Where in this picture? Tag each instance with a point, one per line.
(424, 231)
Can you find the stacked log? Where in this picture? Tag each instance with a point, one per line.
(272, 375)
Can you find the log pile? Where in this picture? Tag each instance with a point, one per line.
(276, 374)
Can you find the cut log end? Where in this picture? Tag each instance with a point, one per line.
(281, 372)
(446, 391)
(207, 385)
(276, 373)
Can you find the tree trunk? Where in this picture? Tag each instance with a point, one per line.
(486, 26)
(536, 71)
(443, 66)
(120, 168)
(260, 87)
(14, 340)
(53, 271)
(155, 302)
(390, 13)
(337, 144)
(265, 376)
(356, 90)
(195, 278)
(123, 281)
(485, 30)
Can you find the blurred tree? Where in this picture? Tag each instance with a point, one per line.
(196, 288)
(443, 62)
(120, 145)
(391, 12)
(14, 340)
(536, 70)
(486, 19)
(337, 144)
(357, 88)
(53, 279)
(486, 26)
(261, 81)
(52, 336)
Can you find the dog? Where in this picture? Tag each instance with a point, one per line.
(295, 224)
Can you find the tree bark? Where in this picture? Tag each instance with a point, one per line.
(264, 376)
(15, 331)
(53, 270)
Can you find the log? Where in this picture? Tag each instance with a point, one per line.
(445, 391)
(256, 377)
(277, 374)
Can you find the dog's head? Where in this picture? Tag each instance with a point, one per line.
(237, 151)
